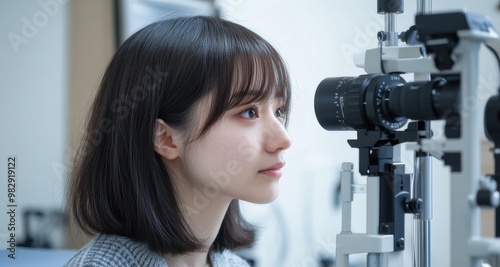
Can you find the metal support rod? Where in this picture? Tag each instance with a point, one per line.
(423, 172)
(346, 192)
(372, 204)
(424, 244)
(372, 216)
(347, 179)
(424, 7)
(423, 190)
(390, 29)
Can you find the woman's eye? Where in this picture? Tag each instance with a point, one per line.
(250, 113)
(280, 112)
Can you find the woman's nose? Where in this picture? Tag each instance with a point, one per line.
(276, 137)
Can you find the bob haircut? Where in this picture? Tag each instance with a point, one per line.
(119, 185)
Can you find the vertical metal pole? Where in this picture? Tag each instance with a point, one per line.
(465, 217)
(346, 182)
(424, 6)
(346, 194)
(423, 190)
(372, 216)
(390, 29)
(372, 204)
(423, 179)
(423, 186)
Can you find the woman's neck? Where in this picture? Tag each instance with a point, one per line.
(204, 215)
(197, 259)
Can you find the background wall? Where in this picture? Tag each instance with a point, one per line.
(34, 114)
(49, 80)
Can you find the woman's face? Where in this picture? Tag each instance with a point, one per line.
(241, 155)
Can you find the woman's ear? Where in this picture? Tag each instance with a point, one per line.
(165, 140)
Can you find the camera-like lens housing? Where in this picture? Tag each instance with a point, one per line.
(377, 101)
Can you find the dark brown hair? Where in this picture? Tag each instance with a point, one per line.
(119, 185)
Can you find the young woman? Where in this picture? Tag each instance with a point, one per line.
(189, 118)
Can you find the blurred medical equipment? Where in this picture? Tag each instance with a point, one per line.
(442, 53)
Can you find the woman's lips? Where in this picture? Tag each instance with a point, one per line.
(273, 171)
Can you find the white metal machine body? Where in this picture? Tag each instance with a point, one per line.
(467, 247)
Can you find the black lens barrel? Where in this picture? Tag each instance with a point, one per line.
(414, 100)
(382, 101)
(338, 103)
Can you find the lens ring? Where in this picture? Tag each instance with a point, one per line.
(375, 94)
(355, 98)
(337, 104)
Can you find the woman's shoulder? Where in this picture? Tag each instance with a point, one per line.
(112, 250)
(228, 258)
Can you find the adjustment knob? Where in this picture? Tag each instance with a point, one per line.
(487, 198)
(414, 206)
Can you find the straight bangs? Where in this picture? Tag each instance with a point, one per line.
(251, 71)
(257, 78)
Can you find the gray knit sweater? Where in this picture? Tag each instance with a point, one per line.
(112, 250)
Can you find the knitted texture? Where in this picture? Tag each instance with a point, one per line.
(119, 251)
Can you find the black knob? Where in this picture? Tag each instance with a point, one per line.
(414, 206)
(487, 198)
